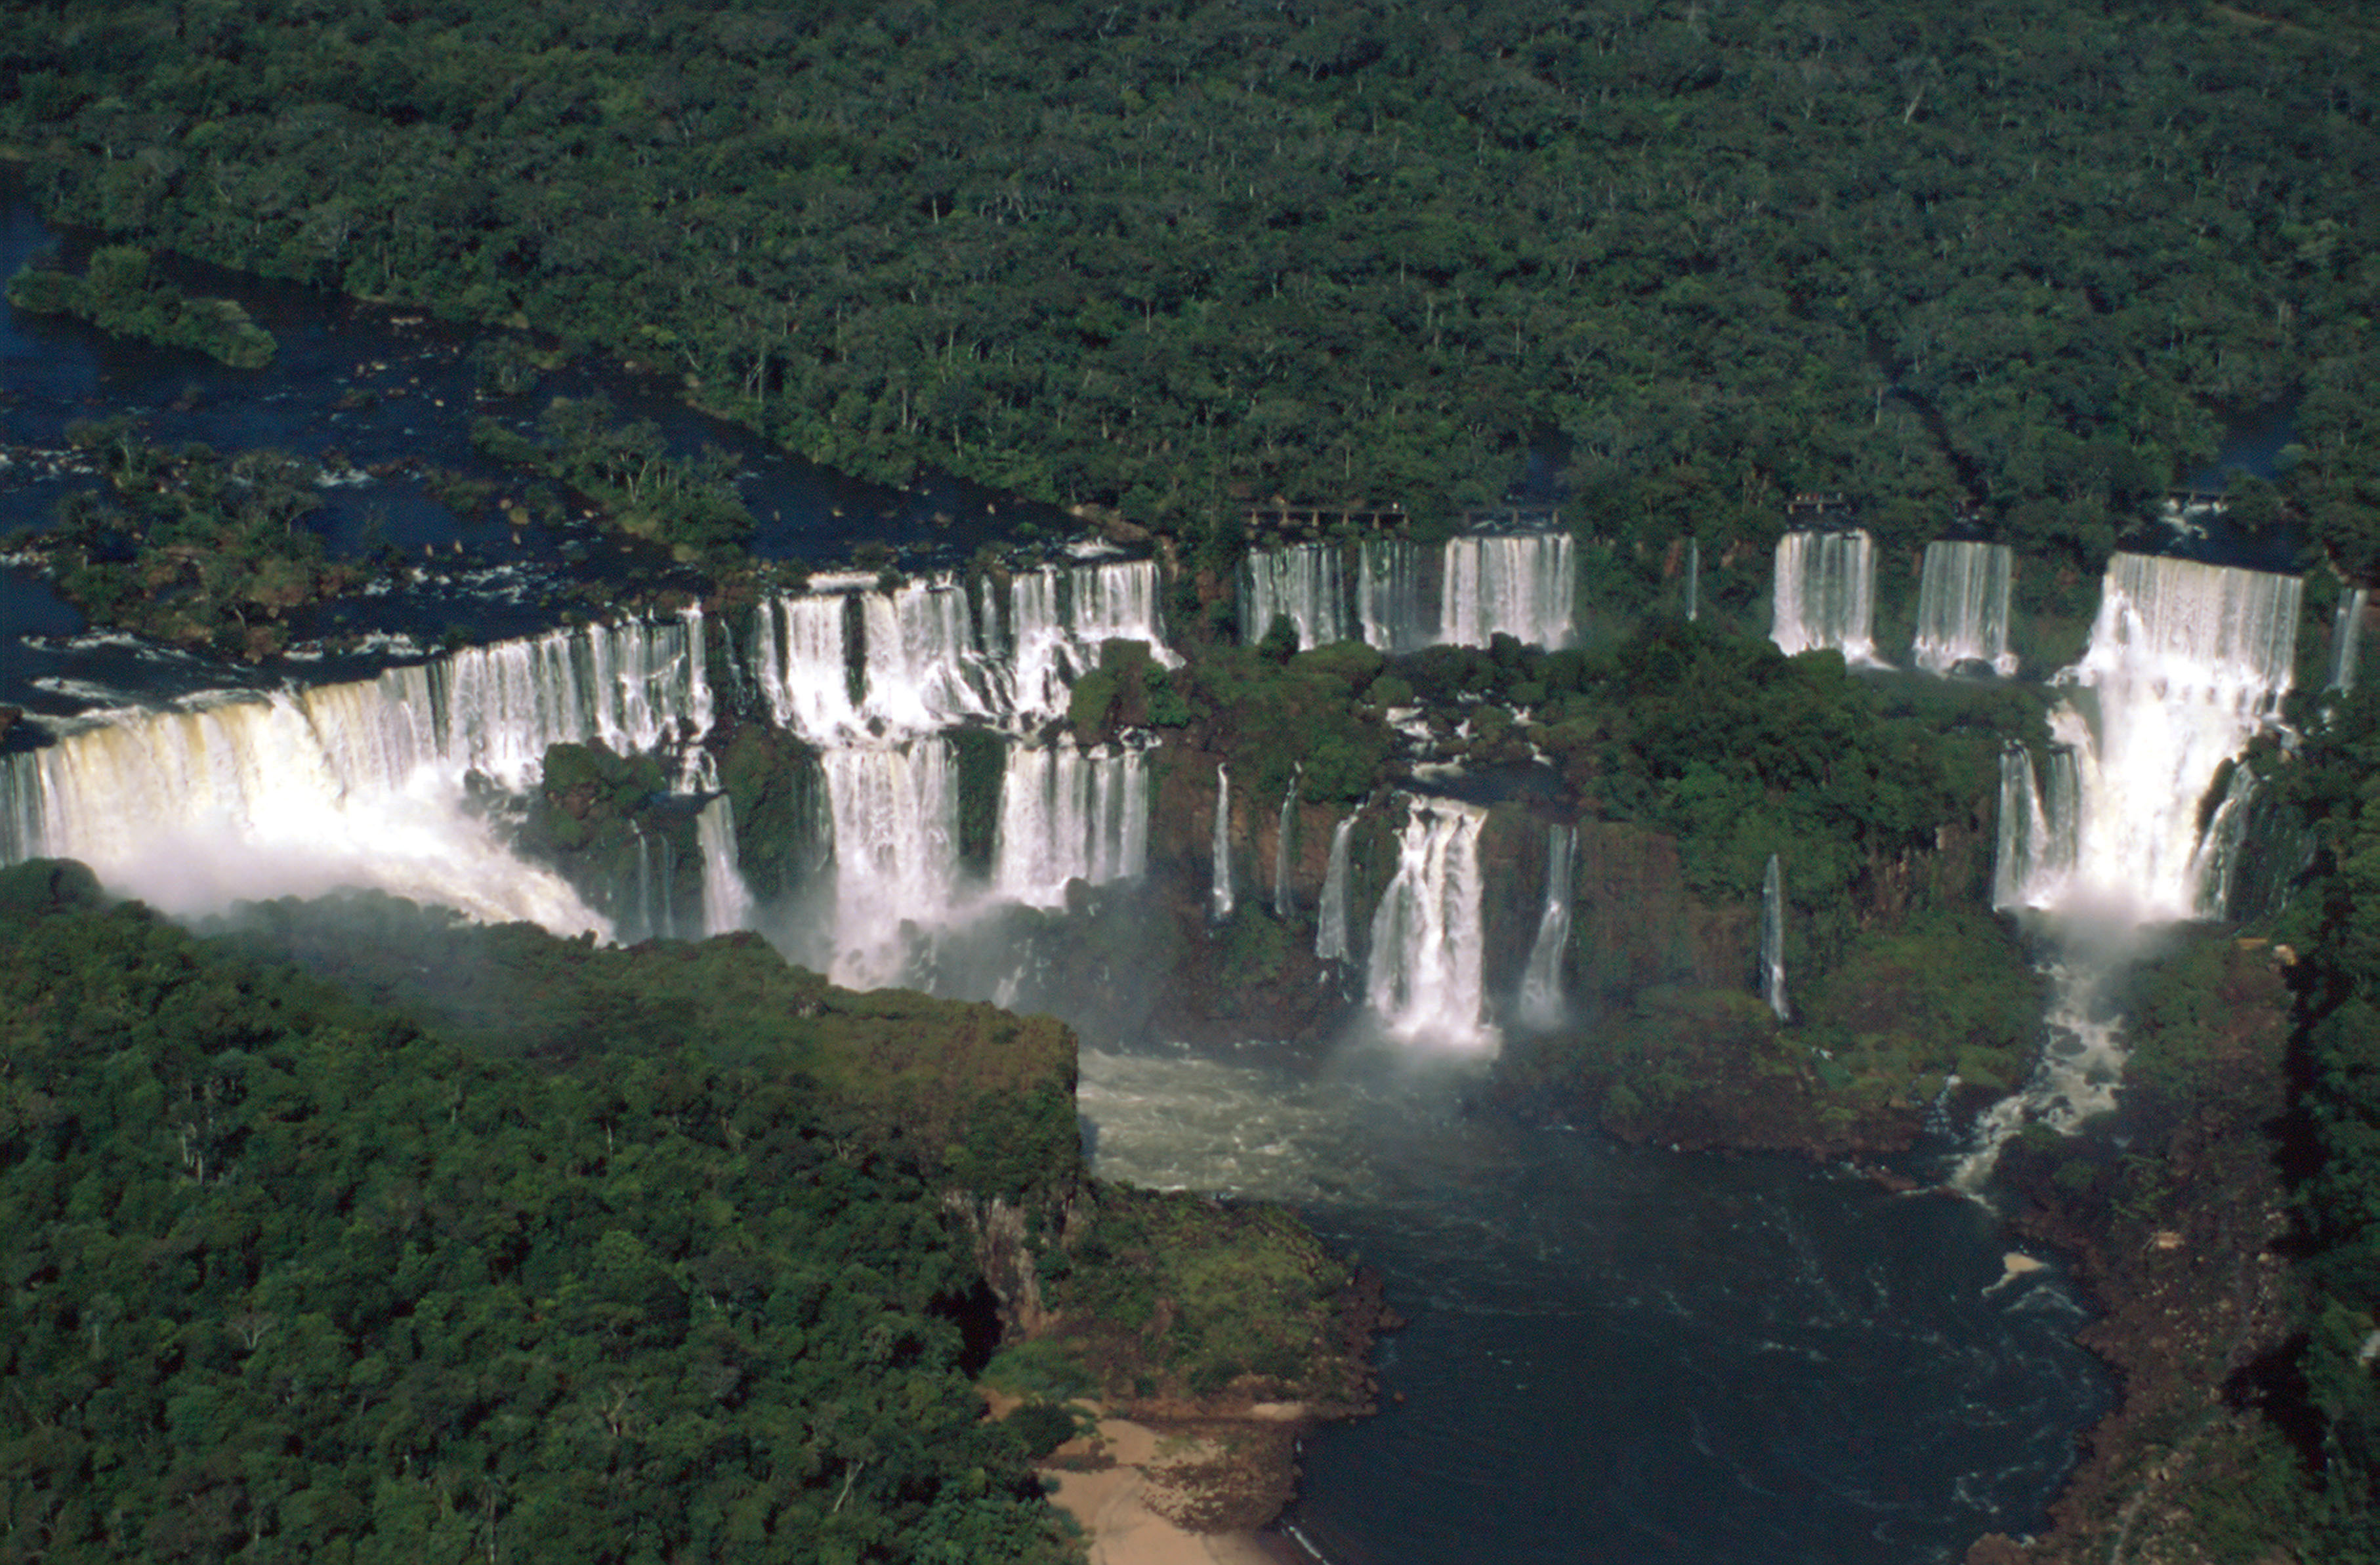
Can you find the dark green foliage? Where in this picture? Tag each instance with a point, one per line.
(1040, 1428)
(1276, 718)
(1950, 992)
(601, 821)
(1193, 1294)
(190, 547)
(2331, 799)
(782, 837)
(982, 761)
(688, 503)
(1174, 258)
(916, 1073)
(118, 293)
(1256, 947)
(292, 1278)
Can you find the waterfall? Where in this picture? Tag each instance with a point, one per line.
(2347, 636)
(924, 667)
(1541, 981)
(1825, 594)
(649, 925)
(1693, 580)
(1117, 601)
(1393, 606)
(2186, 664)
(1282, 905)
(1772, 936)
(1962, 608)
(802, 664)
(1331, 930)
(1306, 582)
(1220, 901)
(1522, 586)
(1059, 615)
(1069, 814)
(895, 813)
(841, 667)
(358, 783)
(2036, 834)
(1425, 982)
(191, 810)
(2219, 849)
(726, 901)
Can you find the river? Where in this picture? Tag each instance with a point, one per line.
(1613, 1353)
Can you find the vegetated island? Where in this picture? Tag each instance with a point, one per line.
(675, 1250)
(120, 292)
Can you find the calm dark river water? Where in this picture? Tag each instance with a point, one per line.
(1629, 1355)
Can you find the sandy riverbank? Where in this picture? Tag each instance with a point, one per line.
(1128, 1486)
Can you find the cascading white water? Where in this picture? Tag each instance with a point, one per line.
(2347, 636)
(1424, 983)
(1962, 608)
(1059, 615)
(931, 655)
(1825, 594)
(656, 906)
(1542, 1002)
(2187, 662)
(924, 668)
(801, 663)
(895, 813)
(1772, 936)
(358, 783)
(2035, 858)
(193, 811)
(1117, 599)
(1520, 585)
(1305, 581)
(1286, 828)
(1394, 608)
(1218, 900)
(2219, 849)
(1068, 814)
(1331, 942)
(727, 899)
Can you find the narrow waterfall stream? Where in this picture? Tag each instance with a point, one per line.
(1219, 897)
(1331, 929)
(1772, 938)
(1542, 1001)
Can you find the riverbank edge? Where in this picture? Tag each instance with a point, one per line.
(2199, 1298)
(2194, 1296)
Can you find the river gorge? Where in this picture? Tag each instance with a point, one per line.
(1291, 984)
